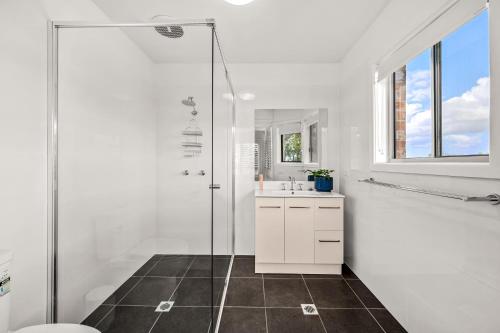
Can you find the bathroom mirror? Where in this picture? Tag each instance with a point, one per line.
(289, 141)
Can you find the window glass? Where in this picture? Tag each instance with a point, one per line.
(413, 134)
(291, 147)
(466, 89)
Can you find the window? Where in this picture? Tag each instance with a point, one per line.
(441, 98)
(313, 143)
(291, 147)
(412, 108)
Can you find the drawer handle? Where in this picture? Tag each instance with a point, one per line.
(328, 241)
(298, 207)
(270, 207)
(326, 207)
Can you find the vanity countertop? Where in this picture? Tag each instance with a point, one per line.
(296, 194)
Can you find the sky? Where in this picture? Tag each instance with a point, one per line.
(465, 94)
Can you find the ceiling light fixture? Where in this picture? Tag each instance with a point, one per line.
(239, 2)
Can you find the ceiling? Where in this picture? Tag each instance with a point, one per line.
(265, 31)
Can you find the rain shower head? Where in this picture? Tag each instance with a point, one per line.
(170, 31)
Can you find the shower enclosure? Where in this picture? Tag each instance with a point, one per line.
(141, 175)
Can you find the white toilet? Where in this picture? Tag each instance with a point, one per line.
(5, 258)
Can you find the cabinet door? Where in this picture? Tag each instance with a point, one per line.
(299, 230)
(270, 230)
(329, 247)
(329, 214)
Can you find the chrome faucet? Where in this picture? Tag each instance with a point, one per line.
(292, 181)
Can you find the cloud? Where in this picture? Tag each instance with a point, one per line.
(465, 118)
(463, 141)
(418, 86)
(470, 112)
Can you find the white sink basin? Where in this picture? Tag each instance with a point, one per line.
(288, 193)
(301, 193)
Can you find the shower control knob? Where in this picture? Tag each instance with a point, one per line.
(202, 172)
(185, 172)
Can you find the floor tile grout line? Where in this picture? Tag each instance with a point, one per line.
(126, 294)
(264, 295)
(294, 307)
(243, 306)
(157, 318)
(312, 299)
(182, 278)
(366, 308)
(173, 292)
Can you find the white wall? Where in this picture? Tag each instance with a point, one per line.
(434, 262)
(277, 86)
(23, 122)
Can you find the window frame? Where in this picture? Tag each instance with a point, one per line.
(436, 114)
(380, 131)
(308, 145)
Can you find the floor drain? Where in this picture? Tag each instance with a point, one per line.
(309, 309)
(164, 306)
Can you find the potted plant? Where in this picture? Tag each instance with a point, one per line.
(323, 181)
(310, 175)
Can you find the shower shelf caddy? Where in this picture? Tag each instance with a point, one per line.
(192, 144)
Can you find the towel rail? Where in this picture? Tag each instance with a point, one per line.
(494, 198)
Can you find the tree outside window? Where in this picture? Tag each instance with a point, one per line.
(291, 147)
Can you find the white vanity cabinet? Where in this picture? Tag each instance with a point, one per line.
(269, 230)
(299, 234)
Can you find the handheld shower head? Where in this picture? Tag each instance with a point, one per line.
(189, 101)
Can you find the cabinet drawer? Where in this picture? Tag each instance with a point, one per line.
(328, 247)
(328, 214)
(299, 231)
(270, 230)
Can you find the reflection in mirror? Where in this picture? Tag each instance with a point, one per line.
(289, 141)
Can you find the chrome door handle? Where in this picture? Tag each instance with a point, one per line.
(326, 207)
(298, 207)
(328, 241)
(214, 186)
(270, 207)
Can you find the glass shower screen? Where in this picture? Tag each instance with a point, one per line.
(142, 164)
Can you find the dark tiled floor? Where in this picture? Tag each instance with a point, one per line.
(344, 303)
(332, 293)
(243, 320)
(245, 292)
(292, 321)
(184, 279)
(130, 319)
(285, 292)
(256, 303)
(184, 320)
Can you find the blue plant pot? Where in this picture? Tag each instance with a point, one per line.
(322, 184)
